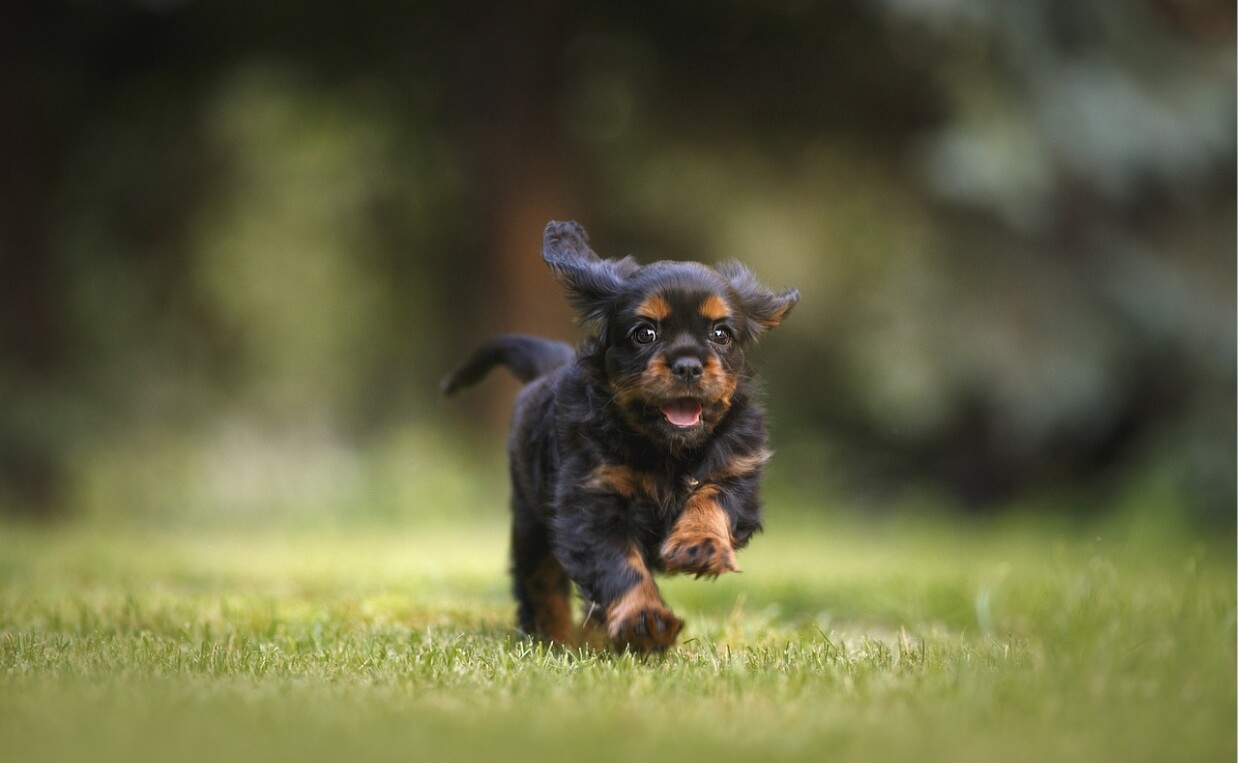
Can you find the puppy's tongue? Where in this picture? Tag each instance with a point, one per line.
(684, 412)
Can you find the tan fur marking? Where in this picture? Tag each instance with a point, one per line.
(641, 596)
(658, 372)
(657, 383)
(639, 619)
(655, 380)
(720, 384)
(655, 308)
(701, 540)
(701, 513)
(715, 308)
(613, 478)
(775, 319)
(547, 588)
(740, 466)
(624, 481)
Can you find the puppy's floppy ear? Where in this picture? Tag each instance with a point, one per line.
(764, 308)
(592, 283)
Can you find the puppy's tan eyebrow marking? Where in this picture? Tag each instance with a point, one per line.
(655, 308)
(715, 308)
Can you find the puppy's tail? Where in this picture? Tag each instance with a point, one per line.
(528, 357)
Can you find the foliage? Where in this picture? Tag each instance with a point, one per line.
(1012, 226)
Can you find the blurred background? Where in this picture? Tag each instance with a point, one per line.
(241, 242)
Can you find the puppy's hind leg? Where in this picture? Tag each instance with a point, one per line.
(542, 588)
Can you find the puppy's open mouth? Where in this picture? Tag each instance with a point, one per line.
(684, 412)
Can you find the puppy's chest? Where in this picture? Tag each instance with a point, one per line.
(658, 493)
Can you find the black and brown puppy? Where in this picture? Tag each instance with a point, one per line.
(641, 452)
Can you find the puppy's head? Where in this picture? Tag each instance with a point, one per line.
(672, 334)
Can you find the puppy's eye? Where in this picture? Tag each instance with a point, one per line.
(721, 335)
(644, 335)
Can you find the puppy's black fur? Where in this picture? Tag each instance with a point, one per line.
(642, 451)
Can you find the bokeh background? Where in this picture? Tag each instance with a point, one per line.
(240, 242)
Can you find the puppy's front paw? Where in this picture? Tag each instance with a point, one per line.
(699, 554)
(650, 629)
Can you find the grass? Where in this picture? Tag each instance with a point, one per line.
(883, 641)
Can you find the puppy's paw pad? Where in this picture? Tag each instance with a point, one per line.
(648, 630)
(699, 556)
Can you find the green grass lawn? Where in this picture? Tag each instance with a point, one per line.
(884, 641)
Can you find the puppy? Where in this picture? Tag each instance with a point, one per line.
(641, 452)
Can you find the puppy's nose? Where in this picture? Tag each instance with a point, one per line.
(687, 369)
